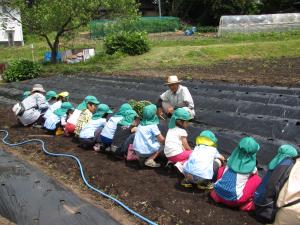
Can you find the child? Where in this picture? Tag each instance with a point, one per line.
(107, 134)
(72, 121)
(87, 134)
(55, 101)
(238, 181)
(177, 148)
(204, 162)
(266, 195)
(148, 137)
(51, 97)
(86, 115)
(61, 97)
(57, 119)
(288, 202)
(125, 128)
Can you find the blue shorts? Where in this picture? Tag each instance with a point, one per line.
(105, 140)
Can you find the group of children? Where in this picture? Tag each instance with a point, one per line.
(129, 136)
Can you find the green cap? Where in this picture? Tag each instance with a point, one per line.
(82, 106)
(179, 114)
(129, 116)
(101, 110)
(91, 99)
(65, 106)
(50, 94)
(26, 94)
(284, 151)
(243, 158)
(149, 115)
(124, 107)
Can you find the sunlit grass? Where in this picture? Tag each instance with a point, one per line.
(166, 52)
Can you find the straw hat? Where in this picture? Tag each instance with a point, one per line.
(38, 87)
(173, 80)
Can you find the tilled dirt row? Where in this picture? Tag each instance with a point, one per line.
(271, 114)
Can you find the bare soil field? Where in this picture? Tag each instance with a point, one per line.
(153, 193)
(280, 71)
(262, 100)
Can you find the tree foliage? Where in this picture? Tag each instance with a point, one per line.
(276, 6)
(44, 17)
(208, 12)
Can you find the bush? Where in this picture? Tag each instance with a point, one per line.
(131, 43)
(21, 69)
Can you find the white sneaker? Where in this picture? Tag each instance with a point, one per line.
(179, 166)
(152, 163)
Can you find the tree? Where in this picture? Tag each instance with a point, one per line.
(233, 7)
(208, 12)
(279, 6)
(45, 18)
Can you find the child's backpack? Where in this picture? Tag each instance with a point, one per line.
(18, 109)
(266, 195)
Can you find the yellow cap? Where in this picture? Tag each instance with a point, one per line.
(205, 141)
(64, 94)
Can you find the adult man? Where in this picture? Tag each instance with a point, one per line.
(177, 96)
(35, 105)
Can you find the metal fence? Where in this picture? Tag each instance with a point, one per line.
(100, 28)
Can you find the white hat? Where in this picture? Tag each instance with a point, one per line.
(172, 80)
(38, 87)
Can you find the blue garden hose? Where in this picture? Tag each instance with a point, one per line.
(81, 173)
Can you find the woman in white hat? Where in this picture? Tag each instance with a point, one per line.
(35, 105)
(177, 96)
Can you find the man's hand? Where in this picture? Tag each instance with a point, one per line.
(170, 110)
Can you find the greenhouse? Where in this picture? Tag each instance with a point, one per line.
(259, 23)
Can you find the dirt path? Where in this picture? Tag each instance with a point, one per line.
(4, 221)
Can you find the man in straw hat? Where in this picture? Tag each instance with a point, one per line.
(176, 97)
(34, 105)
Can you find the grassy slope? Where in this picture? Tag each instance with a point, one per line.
(168, 52)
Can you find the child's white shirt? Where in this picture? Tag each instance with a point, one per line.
(110, 127)
(145, 140)
(74, 117)
(51, 121)
(200, 162)
(173, 143)
(89, 129)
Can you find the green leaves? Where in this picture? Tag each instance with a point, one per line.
(131, 43)
(21, 69)
(138, 106)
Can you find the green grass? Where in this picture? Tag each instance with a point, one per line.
(168, 51)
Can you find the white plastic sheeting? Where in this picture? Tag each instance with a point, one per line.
(259, 23)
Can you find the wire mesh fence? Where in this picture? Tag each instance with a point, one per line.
(101, 28)
(259, 23)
